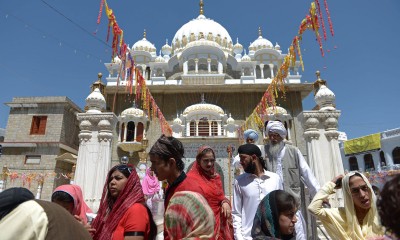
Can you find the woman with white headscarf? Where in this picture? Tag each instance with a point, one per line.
(358, 219)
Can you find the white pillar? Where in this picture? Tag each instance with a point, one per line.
(209, 128)
(134, 134)
(262, 70)
(220, 68)
(209, 65)
(271, 67)
(185, 67)
(254, 71)
(187, 129)
(196, 68)
(219, 128)
(197, 128)
(126, 131)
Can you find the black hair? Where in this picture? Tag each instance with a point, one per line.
(285, 201)
(388, 208)
(62, 197)
(169, 147)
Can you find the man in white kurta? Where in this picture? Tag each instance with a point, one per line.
(276, 152)
(249, 189)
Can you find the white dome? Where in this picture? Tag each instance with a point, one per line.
(325, 98)
(144, 45)
(159, 59)
(237, 48)
(206, 27)
(166, 49)
(95, 102)
(277, 47)
(117, 60)
(246, 58)
(132, 111)
(177, 121)
(276, 110)
(230, 120)
(203, 107)
(260, 43)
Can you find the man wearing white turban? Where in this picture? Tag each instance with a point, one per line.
(288, 162)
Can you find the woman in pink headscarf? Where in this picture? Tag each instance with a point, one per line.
(150, 187)
(70, 197)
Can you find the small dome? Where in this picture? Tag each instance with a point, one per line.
(325, 98)
(237, 48)
(276, 110)
(95, 102)
(246, 58)
(144, 45)
(166, 49)
(159, 59)
(203, 107)
(230, 120)
(104, 124)
(116, 60)
(277, 47)
(260, 42)
(177, 121)
(133, 111)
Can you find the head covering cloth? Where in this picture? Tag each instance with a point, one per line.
(371, 220)
(277, 127)
(266, 220)
(150, 183)
(108, 216)
(211, 184)
(250, 134)
(249, 149)
(80, 207)
(11, 198)
(189, 216)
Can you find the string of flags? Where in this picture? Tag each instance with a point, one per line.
(313, 21)
(136, 83)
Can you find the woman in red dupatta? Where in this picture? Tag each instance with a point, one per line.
(203, 171)
(123, 213)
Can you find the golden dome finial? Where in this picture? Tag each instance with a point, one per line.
(319, 82)
(259, 32)
(144, 33)
(99, 76)
(201, 7)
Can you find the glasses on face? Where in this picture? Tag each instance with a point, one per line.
(356, 190)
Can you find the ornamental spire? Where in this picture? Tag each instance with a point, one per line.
(319, 82)
(144, 33)
(259, 32)
(201, 7)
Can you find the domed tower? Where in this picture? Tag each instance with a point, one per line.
(96, 132)
(321, 134)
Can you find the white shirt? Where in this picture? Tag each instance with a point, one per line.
(248, 192)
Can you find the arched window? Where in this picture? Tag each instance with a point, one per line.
(122, 132)
(396, 155)
(193, 128)
(353, 164)
(382, 158)
(204, 127)
(214, 128)
(130, 132)
(368, 161)
(139, 132)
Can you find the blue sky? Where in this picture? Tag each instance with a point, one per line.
(46, 54)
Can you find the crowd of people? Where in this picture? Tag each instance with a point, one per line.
(266, 201)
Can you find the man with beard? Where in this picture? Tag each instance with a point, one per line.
(250, 188)
(250, 136)
(288, 162)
